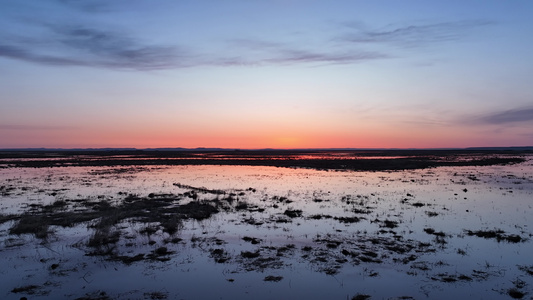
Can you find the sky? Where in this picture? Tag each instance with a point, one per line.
(266, 74)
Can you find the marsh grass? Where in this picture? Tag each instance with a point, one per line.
(27, 289)
(98, 295)
(103, 217)
(348, 219)
(103, 241)
(172, 224)
(156, 295)
(293, 213)
(6, 218)
(497, 234)
(361, 297)
(527, 269)
(272, 278)
(515, 293)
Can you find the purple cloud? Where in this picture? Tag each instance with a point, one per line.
(415, 35)
(509, 116)
(82, 46)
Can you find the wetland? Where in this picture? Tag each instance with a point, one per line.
(266, 224)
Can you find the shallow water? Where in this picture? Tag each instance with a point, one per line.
(319, 253)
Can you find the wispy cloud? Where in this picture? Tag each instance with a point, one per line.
(268, 53)
(82, 46)
(114, 49)
(413, 35)
(90, 44)
(255, 44)
(524, 114)
(289, 56)
(18, 52)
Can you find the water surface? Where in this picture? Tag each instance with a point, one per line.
(278, 233)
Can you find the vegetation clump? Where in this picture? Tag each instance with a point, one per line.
(36, 225)
(27, 289)
(273, 278)
(434, 232)
(497, 234)
(248, 254)
(293, 213)
(361, 297)
(527, 269)
(252, 240)
(348, 219)
(220, 255)
(445, 277)
(515, 293)
(156, 295)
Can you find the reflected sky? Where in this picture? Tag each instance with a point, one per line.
(449, 200)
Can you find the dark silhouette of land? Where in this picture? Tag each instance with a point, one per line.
(357, 160)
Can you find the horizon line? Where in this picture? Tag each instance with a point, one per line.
(255, 149)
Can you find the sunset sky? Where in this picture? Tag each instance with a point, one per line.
(257, 74)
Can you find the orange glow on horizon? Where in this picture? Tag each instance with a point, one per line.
(255, 142)
(363, 135)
